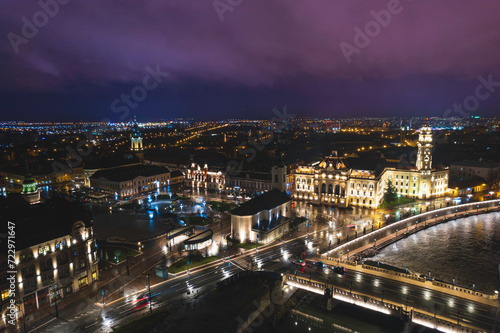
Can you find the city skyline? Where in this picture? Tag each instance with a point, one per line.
(249, 166)
(243, 60)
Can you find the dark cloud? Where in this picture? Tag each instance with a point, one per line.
(263, 53)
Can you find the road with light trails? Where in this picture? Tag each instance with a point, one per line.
(277, 255)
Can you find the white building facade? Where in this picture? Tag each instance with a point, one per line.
(262, 219)
(331, 182)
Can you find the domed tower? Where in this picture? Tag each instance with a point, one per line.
(278, 170)
(136, 141)
(30, 191)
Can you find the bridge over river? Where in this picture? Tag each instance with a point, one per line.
(415, 298)
(421, 302)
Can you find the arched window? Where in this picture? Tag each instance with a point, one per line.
(330, 189)
(323, 188)
(337, 189)
(276, 178)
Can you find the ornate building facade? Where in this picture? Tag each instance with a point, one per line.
(333, 182)
(205, 178)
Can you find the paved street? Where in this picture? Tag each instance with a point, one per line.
(87, 314)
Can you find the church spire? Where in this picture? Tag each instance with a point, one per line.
(136, 141)
(278, 157)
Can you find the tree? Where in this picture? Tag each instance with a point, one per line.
(493, 179)
(390, 192)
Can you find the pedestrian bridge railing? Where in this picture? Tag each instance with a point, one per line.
(418, 316)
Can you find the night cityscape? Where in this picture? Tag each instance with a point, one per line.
(235, 166)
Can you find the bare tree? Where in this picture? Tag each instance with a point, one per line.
(493, 179)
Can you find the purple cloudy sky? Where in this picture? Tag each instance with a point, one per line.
(263, 54)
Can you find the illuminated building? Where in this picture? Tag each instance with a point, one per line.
(263, 218)
(131, 180)
(334, 181)
(241, 183)
(56, 254)
(198, 178)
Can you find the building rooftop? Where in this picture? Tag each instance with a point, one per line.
(129, 172)
(176, 173)
(265, 201)
(476, 164)
(111, 161)
(473, 182)
(200, 238)
(36, 224)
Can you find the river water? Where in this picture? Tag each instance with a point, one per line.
(467, 249)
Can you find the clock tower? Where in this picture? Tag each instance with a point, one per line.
(424, 155)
